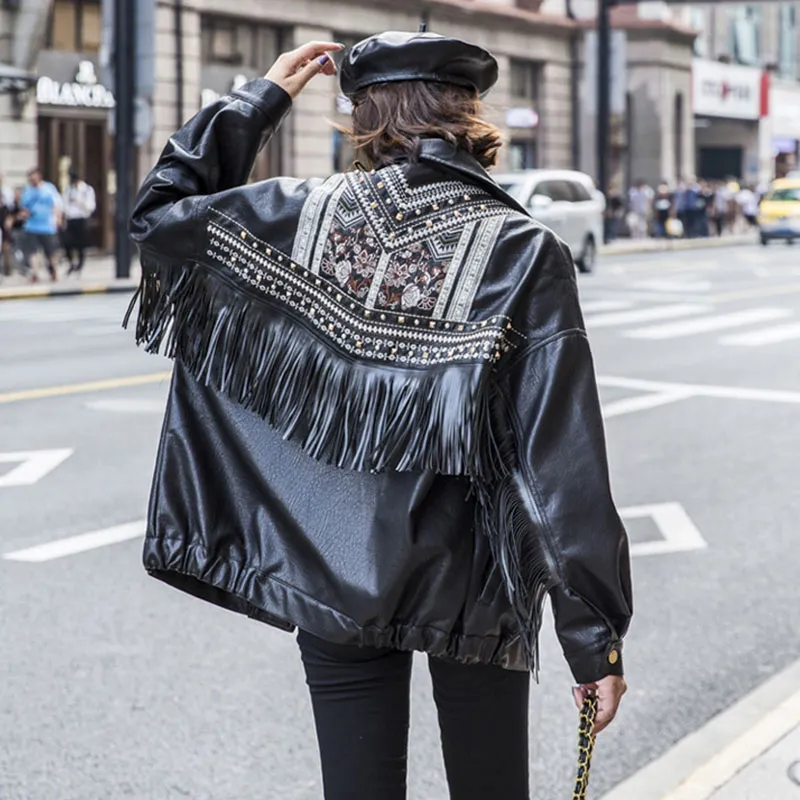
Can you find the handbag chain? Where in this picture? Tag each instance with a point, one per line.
(586, 739)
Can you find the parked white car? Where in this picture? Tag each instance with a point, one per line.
(565, 201)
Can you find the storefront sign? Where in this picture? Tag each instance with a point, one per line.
(521, 118)
(726, 90)
(784, 103)
(209, 96)
(83, 92)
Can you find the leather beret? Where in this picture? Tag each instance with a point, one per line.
(400, 56)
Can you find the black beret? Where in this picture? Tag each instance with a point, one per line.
(399, 56)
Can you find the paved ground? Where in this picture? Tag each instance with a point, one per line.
(116, 686)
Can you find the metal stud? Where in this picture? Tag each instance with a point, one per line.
(401, 320)
(380, 184)
(399, 217)
(338, 298)
(244, 235)
(435, 207)
(373, 205)
(367, 313)
(429, 223)
(467, 197)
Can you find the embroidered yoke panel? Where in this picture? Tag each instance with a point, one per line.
(386, 270)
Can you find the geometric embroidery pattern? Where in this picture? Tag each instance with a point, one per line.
(388, 335)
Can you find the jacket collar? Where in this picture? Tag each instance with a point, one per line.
(459, 163)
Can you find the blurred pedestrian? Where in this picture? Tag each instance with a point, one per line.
(640, 199)
(662, 209)
(14, 234)
(321, 340)
(747, 200)
(79, 205)
(6, 203)
(721, 206)
(705, 203)
(615, 211)
(43, 212)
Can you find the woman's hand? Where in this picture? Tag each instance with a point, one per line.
(609, 691)
(293, 70)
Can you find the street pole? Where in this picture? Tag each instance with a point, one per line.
(603, 92)
(125, 93)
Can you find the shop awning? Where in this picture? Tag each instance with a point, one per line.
(14, 79)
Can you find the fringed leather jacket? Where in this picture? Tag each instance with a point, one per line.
(383, 425)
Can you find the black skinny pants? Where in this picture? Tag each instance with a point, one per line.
(361, 702)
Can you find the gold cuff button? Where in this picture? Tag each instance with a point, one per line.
(613, 657)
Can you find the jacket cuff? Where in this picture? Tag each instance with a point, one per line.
(267, 97)
(590, 666)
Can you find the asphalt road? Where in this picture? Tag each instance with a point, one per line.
(115, 686)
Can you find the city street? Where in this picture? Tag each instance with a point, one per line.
(115, 686)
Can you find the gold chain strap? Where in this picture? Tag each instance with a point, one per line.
(586, 739)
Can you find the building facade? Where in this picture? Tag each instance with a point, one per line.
(204, 48)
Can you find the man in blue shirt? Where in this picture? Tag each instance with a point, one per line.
(43, 210)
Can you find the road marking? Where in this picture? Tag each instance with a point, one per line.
(749, 294)
(644, 315)
(674, 524)
(780, 333)
(727, 763)
(642, 402)
(127, 406)
(35, 464)
(702, 390)
(78, 388)
(78, 544)
(705, 324)
(593, 306)
(686, 285)
(724, 745)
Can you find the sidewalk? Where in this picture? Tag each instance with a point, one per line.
(774, 775)
(749, 751)
(98, 274)
(633, 246)
(97, 277)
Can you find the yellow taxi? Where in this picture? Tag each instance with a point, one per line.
(779, 211)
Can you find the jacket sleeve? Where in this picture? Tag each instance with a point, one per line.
(564, 482)
(213, 152)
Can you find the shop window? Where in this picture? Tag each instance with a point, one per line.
(522, 154)
(787, 43)
(698, 21)
(745, 35)
(525, 78)
(220, 42)
(75, 25)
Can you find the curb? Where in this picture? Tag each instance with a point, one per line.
(671, 245)
(36, 292)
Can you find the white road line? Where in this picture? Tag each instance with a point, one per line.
(593, 306)
(644, 315)
(780, 333)
(33, 465)
(718, 322)
(702, 762)
(702, 390)
(78, 544)
(675, 525)
(642, 402)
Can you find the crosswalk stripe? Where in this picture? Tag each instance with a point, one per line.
(78, 544)
(594, 306)
(705, 324)
(779, 333)
(644, 315)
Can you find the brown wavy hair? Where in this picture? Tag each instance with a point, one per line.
(390, 119)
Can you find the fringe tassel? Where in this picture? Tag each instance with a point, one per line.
(354, 415)
(346, 413)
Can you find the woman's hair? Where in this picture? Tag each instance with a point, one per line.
(390, 119)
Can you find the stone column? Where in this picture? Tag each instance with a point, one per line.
(310, 135)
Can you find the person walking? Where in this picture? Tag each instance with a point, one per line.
(43, 212)
(79, 205)
(6, 204)
(391, 370)
(640, 206)
(662, 209)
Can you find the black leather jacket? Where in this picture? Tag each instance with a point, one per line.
(383, 425)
